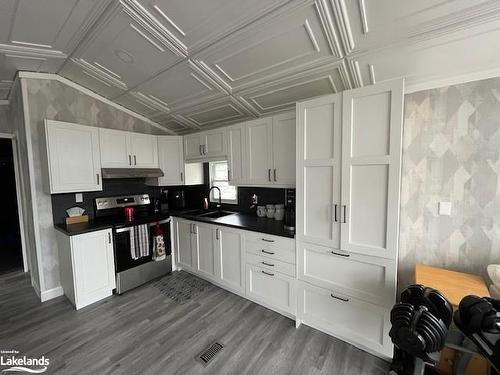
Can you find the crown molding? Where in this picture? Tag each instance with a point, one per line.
(457, 79)
(56, 77)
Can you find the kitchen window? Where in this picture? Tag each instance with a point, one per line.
(219, 178)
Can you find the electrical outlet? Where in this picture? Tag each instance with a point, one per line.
(79, 197)
(444, 208)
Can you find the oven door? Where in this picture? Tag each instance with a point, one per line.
(123, 257)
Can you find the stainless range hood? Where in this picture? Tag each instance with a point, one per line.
(131, 172)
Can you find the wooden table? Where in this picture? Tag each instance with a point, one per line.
(453, 285)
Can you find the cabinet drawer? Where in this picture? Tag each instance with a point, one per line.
(361, 323)
(271, 288)
(369, 278)
(284, 254)
(271, 264)
(271, 241)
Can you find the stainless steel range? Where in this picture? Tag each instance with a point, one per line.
(130, 271)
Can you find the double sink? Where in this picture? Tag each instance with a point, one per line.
(213, 214)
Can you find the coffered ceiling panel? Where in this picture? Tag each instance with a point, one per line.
(420, 62)
(298, 39)
(214, 113)
(146, 105)
(371, 24)
(181, 86)
(125, 49)
(192, 24)
(282, 95)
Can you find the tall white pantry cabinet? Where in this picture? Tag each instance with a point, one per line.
(348, 187)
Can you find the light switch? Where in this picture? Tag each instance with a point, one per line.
(445, 208)
(79, 197)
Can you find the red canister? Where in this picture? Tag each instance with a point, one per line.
(129, 213)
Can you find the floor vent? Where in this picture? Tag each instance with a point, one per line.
(209, 354)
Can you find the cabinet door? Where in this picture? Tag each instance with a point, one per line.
(231, 258)
(93, 266)
(284, 149)
(192, 147)
(319, 125)
(271, 288)
(144, 150)
(114, 148)
(372, 124)
(171, 160)
(236, 152)
(185, 257)
(205, 249)
(73, 157)
(258, 145)
(215, 143)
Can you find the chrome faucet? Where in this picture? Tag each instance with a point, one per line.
(219, 205)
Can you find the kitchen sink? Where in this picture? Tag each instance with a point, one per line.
(216, 214)
(194, 212)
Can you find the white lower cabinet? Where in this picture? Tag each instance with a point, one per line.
(87, 266)
(230, 258)
(186, 244)
(275, 290)
(205, 250)
(356, 321)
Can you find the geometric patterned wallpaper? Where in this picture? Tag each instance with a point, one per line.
(451, 152)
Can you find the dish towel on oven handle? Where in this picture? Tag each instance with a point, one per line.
(158, 244)
(139, 241)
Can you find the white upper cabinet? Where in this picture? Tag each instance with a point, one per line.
(144, 150)
(114, 148)
(236, 153)
(259, 157)
(284, 149)
(170, 160)
(372, 122)
(73, 159)
(319, 140)
(120, 149)
(207, 145)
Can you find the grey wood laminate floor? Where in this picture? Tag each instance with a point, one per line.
(144, 332)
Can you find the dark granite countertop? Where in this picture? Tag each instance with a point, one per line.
(236, 220)
(241, 221)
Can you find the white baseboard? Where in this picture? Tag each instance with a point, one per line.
(35, 287)
(51, 293)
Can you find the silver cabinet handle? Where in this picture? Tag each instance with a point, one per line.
(229, 175)
(97, 176)
(340, 254)
(195, 230)
(339, 298)
(217, 237)
(109, 237)
(335, 219)
(182, 176)
(204, 149)
(130, 160)
(135, 160)
(275, 179)
(266, 240)
(191, 228)
(345, 211)
(268, 264)
(269, 175)
(267, 252)
(267, 273)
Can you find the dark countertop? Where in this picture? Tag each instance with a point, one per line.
(236, 220)
(242, 221)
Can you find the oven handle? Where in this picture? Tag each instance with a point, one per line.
(128, 229)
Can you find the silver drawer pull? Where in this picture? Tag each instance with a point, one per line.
(267, 252)
(336, 297)
(267, 273)
(267, 264)
(266, 240)
(340, 254)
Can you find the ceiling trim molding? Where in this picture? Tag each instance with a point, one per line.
(364, 16)
(186, 122)
(452, 80)
(328, 28)
(56, 77)
(342, 18)
(202, 68)
(31, 51)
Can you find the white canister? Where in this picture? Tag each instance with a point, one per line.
(279, 212)
(270, 210)
(261, 211)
